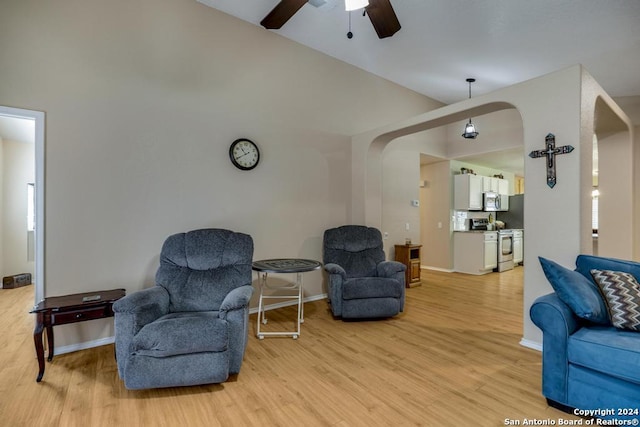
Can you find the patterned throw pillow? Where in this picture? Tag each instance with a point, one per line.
(621, 291)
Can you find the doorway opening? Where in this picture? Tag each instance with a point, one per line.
(25, 127)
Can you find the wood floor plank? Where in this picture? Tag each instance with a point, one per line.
(452, 358)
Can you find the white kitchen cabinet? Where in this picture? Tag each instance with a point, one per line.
(489, 184)
(467, 192)
(495, 185)
(503, 187)
(475, 252)
(490, 251)
(518, 245)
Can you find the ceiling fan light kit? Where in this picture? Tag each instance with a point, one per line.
(470, 129)
(350, 5)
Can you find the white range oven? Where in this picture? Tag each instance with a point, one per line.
(505, 250)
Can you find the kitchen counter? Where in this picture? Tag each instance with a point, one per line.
(475, 251)
(474, 231)
(485, 231)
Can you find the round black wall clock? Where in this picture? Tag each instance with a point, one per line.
(244, 154)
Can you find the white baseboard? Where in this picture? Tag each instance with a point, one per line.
(110, 340)
(531, 344)
(428, 267)
(83, 345)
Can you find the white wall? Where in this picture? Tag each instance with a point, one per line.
(142, 101)
(1, 207)
(18, 169)
(401, 169)
(614, 206)
(437, 209)
(401, 185)
(631, 106)
(502, 130)
(574, 94)
(499, 130)
(436, 199)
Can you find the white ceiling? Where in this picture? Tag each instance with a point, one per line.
(498, 42)
(442, 42)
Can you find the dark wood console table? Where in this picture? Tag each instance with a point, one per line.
(66, 309)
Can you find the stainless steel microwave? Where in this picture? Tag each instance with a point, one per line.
(494, 202)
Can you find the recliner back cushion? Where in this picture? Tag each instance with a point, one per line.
(356, 248)
(201, 267)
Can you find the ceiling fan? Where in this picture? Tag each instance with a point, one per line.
(380, 12)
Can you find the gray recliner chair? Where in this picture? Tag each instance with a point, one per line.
(362, 284)
(191, 327)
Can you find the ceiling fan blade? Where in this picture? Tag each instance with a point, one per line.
(383, 18)
(281, 13)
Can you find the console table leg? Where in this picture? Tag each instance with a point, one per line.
(37, 338)
(50, 342)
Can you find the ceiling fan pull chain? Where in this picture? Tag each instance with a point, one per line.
(349, 34)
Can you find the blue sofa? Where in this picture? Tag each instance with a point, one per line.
(587, 363)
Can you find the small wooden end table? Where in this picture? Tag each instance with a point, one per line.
(409, 255)
(66, 309)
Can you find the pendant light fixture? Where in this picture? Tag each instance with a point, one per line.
(470, 129)
(350, 5)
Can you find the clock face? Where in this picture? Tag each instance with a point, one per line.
(244, 154)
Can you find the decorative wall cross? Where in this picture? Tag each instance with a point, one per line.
(550, 152)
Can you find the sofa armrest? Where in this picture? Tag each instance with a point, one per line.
(553, 316)
(557, 322)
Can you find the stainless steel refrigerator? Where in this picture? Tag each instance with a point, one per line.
(514, 217)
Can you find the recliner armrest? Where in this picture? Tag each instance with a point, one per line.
(133, 312)
(151, 301)
(337, 275)
(332, 268)
(390, 268)
(236, 299)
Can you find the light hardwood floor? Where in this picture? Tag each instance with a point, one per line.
(451, 359)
